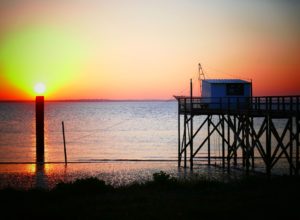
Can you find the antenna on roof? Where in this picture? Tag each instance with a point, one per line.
(201, 77)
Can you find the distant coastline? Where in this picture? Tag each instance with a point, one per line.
(94, 100)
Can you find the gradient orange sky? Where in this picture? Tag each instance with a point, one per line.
(146, 49)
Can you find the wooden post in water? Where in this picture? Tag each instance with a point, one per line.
(235, 130)
(247, 146)
(179, 149)
(243, 144)
(291, 144)
(39, 119)
(65, 148)
(184, 137)
(297, 142)
(191, 125)
(252, 143)
(229, 147)
(208, 140)
(268, 145)
(223, 141)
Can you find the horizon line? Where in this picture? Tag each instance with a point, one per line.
(89, 100)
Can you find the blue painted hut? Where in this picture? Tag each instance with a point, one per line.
(226, 93)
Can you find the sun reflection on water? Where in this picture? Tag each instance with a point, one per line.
(115, 173)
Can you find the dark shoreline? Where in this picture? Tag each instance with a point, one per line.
(163, 197)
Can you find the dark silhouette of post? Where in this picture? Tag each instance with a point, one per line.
(64, 139)
(191, 125)
(39, 118)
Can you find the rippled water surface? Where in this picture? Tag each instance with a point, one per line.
(94, 131)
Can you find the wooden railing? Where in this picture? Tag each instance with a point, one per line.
(274, 104)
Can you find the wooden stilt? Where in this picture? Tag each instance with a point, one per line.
(247, 146)
(228, 144)
(223, 141)
(184, 138)
(185, 145)
(268, 146)
(191, 125)
(291, 144)
(208, 140)
(297, 142)
(243, 144)
(179, 142)
(235, 152)
(252, 144)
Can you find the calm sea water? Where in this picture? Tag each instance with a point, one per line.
(97, 132)
(94, 131)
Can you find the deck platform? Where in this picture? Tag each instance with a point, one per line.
(280, 106)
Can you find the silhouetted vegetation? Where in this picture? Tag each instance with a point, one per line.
(163, 197)
(83, 186)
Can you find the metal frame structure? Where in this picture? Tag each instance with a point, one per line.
(247, 130)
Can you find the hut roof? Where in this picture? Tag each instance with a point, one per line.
(224, 81)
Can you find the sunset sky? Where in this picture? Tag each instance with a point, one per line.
(146, 49)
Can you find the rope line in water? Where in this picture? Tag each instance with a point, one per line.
(109, 127)
(98, 130)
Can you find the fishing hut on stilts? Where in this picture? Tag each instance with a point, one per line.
(247, 127)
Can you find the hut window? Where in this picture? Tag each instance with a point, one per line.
(235, 89)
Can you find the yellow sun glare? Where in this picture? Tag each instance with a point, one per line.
(40, 88)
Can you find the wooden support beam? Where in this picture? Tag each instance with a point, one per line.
(191, 124)
(184, 138)
(243, 145)
(235, 153)
(257, 137)
(185, 145)
(291, 141)
(223, 140)
(268, 145)
(183, 141)
(179, 141)
(202, 124)
(237, 141)
(247, 146)
(185, 125)
(280, 143)
(297, 142)
(208, 139)
(191, 143)
(228, 144)
(252, 144)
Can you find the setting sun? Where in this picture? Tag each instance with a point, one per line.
(40, 88)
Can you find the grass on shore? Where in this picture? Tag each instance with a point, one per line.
(162, 198)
